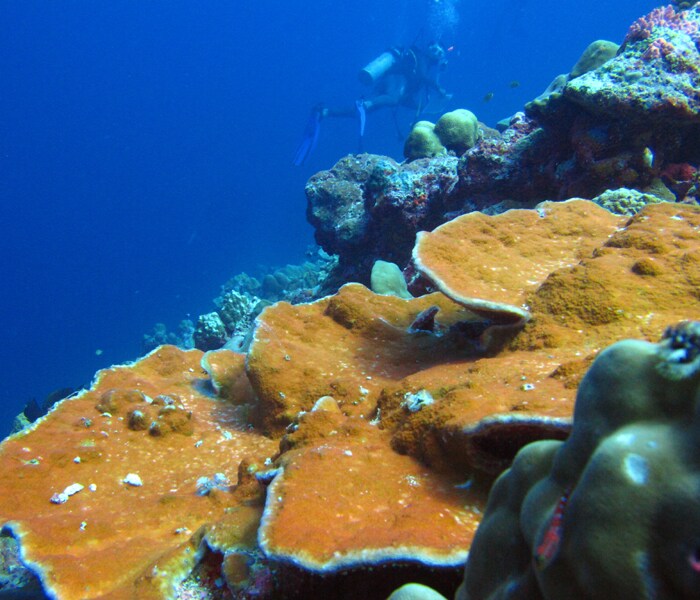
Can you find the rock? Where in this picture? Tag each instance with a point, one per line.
(369, 207)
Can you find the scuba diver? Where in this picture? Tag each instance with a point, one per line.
(400, 77)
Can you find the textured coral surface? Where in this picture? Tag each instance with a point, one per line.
(387, 418)
(491, 264)
(121, 540)
(371, 504)
(349, 346)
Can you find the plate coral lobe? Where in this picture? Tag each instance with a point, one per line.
(137, 442)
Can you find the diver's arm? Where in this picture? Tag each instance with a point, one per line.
(432, 83)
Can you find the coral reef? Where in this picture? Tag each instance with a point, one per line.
(111, 474)
(241, 300)
(654, 77)
(354, 446)
(618, 120)
(159, 336)
(209, 332)
(369, 207)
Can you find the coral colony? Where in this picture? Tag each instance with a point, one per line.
(368, 443)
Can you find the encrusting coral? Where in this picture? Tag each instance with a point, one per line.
(458, 257)
(416, 513)
(112, 474)
(460, 407)
(387, 418)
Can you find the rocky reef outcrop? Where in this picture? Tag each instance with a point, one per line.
(631, 122)
(368, 207)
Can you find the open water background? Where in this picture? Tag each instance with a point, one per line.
(146, 146)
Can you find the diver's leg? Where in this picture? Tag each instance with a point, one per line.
(310, 137)
(372, 104)
(343, 111)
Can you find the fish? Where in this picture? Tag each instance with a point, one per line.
(514, 84)
(548, 547)
(488, 96)
(425, 321)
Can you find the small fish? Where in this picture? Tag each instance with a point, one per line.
(488, 96)
(551, 540)
(514, 84)
(425, 321)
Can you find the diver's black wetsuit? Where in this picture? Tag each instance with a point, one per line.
(406, 79)
(407, 83)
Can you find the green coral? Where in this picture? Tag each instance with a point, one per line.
(613, 512)
(458, 130)
(625, 201)
(422, 142)
(595, 55)
(387, 280)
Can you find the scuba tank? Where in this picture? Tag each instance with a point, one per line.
(378, 67)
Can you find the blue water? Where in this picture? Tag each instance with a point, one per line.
(146, 146)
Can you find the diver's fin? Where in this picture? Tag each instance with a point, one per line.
(310, 138)
(362, 114)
